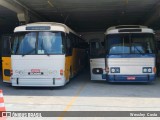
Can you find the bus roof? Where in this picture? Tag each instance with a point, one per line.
(44, 26)
(128, 29)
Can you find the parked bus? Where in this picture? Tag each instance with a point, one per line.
(6, 56)
(45, 54)
(130, 54)
(97, 59)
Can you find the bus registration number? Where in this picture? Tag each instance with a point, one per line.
(35, 70)
(131, 78)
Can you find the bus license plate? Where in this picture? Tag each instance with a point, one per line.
(35, 70)
(131, 78)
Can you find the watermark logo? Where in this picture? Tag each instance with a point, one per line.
(6, 114)
(21, 114)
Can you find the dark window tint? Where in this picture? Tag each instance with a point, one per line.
(135, 43)
(31, 43)
(25, 43)
(49, 43)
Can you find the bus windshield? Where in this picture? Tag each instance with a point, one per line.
(31, 43)
(134, 43)
(96, 50)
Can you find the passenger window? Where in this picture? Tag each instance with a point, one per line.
(68, 46)
(6, 46)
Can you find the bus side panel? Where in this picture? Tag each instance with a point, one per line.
(67, 66)
(96, 64)
(74, 62)
(6, 67)
(78, 61)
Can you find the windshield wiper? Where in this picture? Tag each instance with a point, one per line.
(29, 52)
(47, 54)
(138, 50)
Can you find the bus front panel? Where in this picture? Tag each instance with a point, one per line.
(131, 69)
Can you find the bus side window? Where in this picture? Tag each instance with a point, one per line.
(69, 46)
(6, 48)
(72, 38)
(76, 41)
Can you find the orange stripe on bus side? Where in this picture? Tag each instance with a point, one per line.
(6, 64)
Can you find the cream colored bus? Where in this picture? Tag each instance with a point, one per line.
(43, 54)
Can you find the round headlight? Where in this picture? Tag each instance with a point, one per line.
(97, 71)
(50, 72)
(21, 72)
(145, 70)
(113, 70)
(117, 70)
(149, 70)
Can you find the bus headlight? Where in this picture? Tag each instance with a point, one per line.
(147, 69)
(144, 70)
(97, 71)
(19, 72)
(115, 69)
(50, 72)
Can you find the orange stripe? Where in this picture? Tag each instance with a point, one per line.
(2, 109)
(1, 100)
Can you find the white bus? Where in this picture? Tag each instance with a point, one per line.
(130, 54)
(97, 59)
(44, 54)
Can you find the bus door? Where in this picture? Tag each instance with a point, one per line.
(6, 58)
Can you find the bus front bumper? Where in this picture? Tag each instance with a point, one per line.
(129, 78)
(38, 82)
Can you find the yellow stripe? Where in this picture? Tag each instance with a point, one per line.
(67, 66)
(72, 101)
(6, 64)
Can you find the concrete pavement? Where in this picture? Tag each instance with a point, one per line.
(81, 94)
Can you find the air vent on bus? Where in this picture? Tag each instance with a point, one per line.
(130, 30)
(127, 26)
